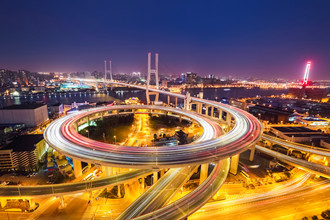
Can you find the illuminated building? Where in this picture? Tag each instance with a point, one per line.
(23, 153)
(191, 78)
(308, 66)
(29, 114)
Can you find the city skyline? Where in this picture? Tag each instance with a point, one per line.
(254, 39)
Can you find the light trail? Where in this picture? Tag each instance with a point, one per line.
(62, 136)
(247, 130)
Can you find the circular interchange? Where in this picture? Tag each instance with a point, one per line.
(62, 136)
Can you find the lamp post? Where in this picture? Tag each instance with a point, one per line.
(115, 139)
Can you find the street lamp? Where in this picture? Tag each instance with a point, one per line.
(115, 139)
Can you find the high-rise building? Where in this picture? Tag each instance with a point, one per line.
(191, 78)
(23, 153)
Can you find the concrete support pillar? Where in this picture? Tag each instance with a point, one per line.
(155, 176)
(228, 119)
(168, 100)
(253, 149)
(162, 171)
(91, 197)
(157, 97)
(180, 118)
(176, 102)
(207, 110)
(119, 191)
(200, 108)
(234, 164)
(220, 114)
(204, 172)
(108, 171)
(142, 182)
(77, 168)
(62, 202)
(212, 111)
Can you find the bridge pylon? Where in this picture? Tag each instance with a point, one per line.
(150, 71)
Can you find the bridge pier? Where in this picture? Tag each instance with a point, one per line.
(220, 114)
(119, 191)
(162, 172)
(253, 149)
(228, 119)
(234, 164)
(154, 177)
(108, 171)
(199, 108)
(168, 100)
(91, 197)
(212, 111)
(206, 110)
(204, 172)
(142, 182)
(62, 202)
(77, 169)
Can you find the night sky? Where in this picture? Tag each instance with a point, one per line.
(266, 38)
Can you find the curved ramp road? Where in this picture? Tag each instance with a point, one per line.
(303, 164)
(191, 202)
(297, 146)
(62, 136)
(159, 194)
(69, 188)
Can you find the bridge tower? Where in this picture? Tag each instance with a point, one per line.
(107, 71)
(150, 71)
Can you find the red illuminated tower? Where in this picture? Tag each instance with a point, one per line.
(308, 66)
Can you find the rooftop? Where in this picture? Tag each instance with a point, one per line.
(270, 109)
(295, 129)
(24, 143)
(23, 106)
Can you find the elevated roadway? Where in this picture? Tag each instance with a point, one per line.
(160, 193)
(62, 136)
(303, 164)
(69, 188)
(244, 133)
(191, 202)
(296, 146)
